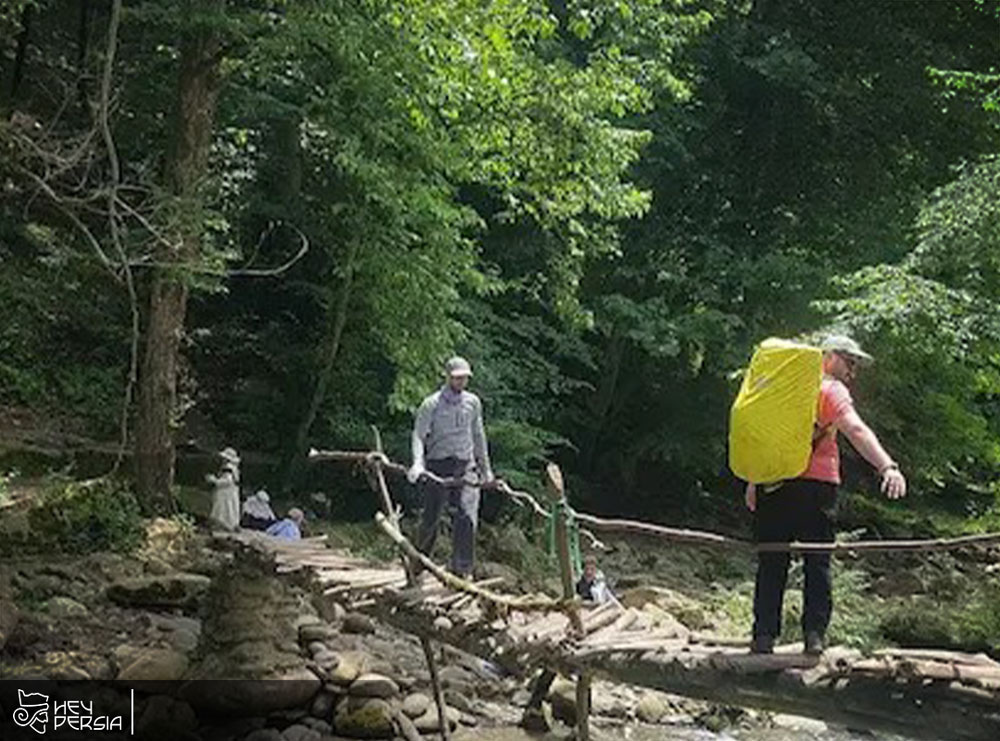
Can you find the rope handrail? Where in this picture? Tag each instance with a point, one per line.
(680, 535)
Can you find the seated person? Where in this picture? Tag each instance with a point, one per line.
(289, 527)
(257, 512)
(592, 586)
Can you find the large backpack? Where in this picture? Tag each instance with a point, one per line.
(772, 419)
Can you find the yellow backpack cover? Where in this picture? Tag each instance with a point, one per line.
(771, 421)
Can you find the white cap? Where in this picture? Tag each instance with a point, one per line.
(457, 366)
(841, 343)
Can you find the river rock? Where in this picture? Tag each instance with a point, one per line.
(299, 732)
(442, 624)
(797, 723)
(138, 663)
(327, 660)
(373, 685)
(319, 725)
(365, 718)
(651, 708)
(430, 723)
(356, 622)
(329, 609)
(416, 704)
(350, 666)
(60, 665)
(316, 647)
(457, 700)
(173, 590)
(65, 607)
(264, 734)
(316, 632)
(458, 678)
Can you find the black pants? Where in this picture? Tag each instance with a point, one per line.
(465, 521)
(800, 510)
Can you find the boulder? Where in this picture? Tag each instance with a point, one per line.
(316, 632)
(457, 678)
(651, 708)
(373, 685)
(327, 659)
(65, 607)
(442, 624)
(365, 718)
(329, 609)
(457, 700)
(264, 734)
(139, 663)
(318, 725)
(61, 665)
(172, 590)
(430, 723)
(416, 704)
(351, 665)
(299, 732)
(316, 647)
(356, 622)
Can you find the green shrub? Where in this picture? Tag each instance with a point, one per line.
(80, 517)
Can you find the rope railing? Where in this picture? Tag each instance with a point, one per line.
(663, 532)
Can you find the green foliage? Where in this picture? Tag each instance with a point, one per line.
(80, 517)
(603, 205)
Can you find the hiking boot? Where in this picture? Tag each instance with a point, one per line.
(762, 645)
(814, 643)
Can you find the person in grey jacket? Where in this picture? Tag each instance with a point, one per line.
(449, 441)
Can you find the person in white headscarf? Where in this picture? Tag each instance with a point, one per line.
(257, 512)
(226, 497)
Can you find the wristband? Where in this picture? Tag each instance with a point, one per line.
(889, 467)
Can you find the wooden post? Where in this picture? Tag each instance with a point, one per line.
(557, 489)
(393, 517)
(583, 707)
(382, 489)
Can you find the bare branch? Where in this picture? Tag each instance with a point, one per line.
(112, 194)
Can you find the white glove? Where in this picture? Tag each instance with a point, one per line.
(416, 471)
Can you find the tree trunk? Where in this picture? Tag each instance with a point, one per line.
(197, 92)
(337, 320)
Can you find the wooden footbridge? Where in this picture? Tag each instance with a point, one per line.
(926, 694)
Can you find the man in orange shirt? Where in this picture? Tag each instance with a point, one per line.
(802, 509)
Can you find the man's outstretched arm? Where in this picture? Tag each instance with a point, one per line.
(867, 444)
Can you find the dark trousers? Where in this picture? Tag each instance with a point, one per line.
(464, 500)
(799, 510)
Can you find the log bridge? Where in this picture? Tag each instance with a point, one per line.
(922, 694)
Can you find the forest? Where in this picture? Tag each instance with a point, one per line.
(266, 224)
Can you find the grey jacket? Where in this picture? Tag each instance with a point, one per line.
(445, 430)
